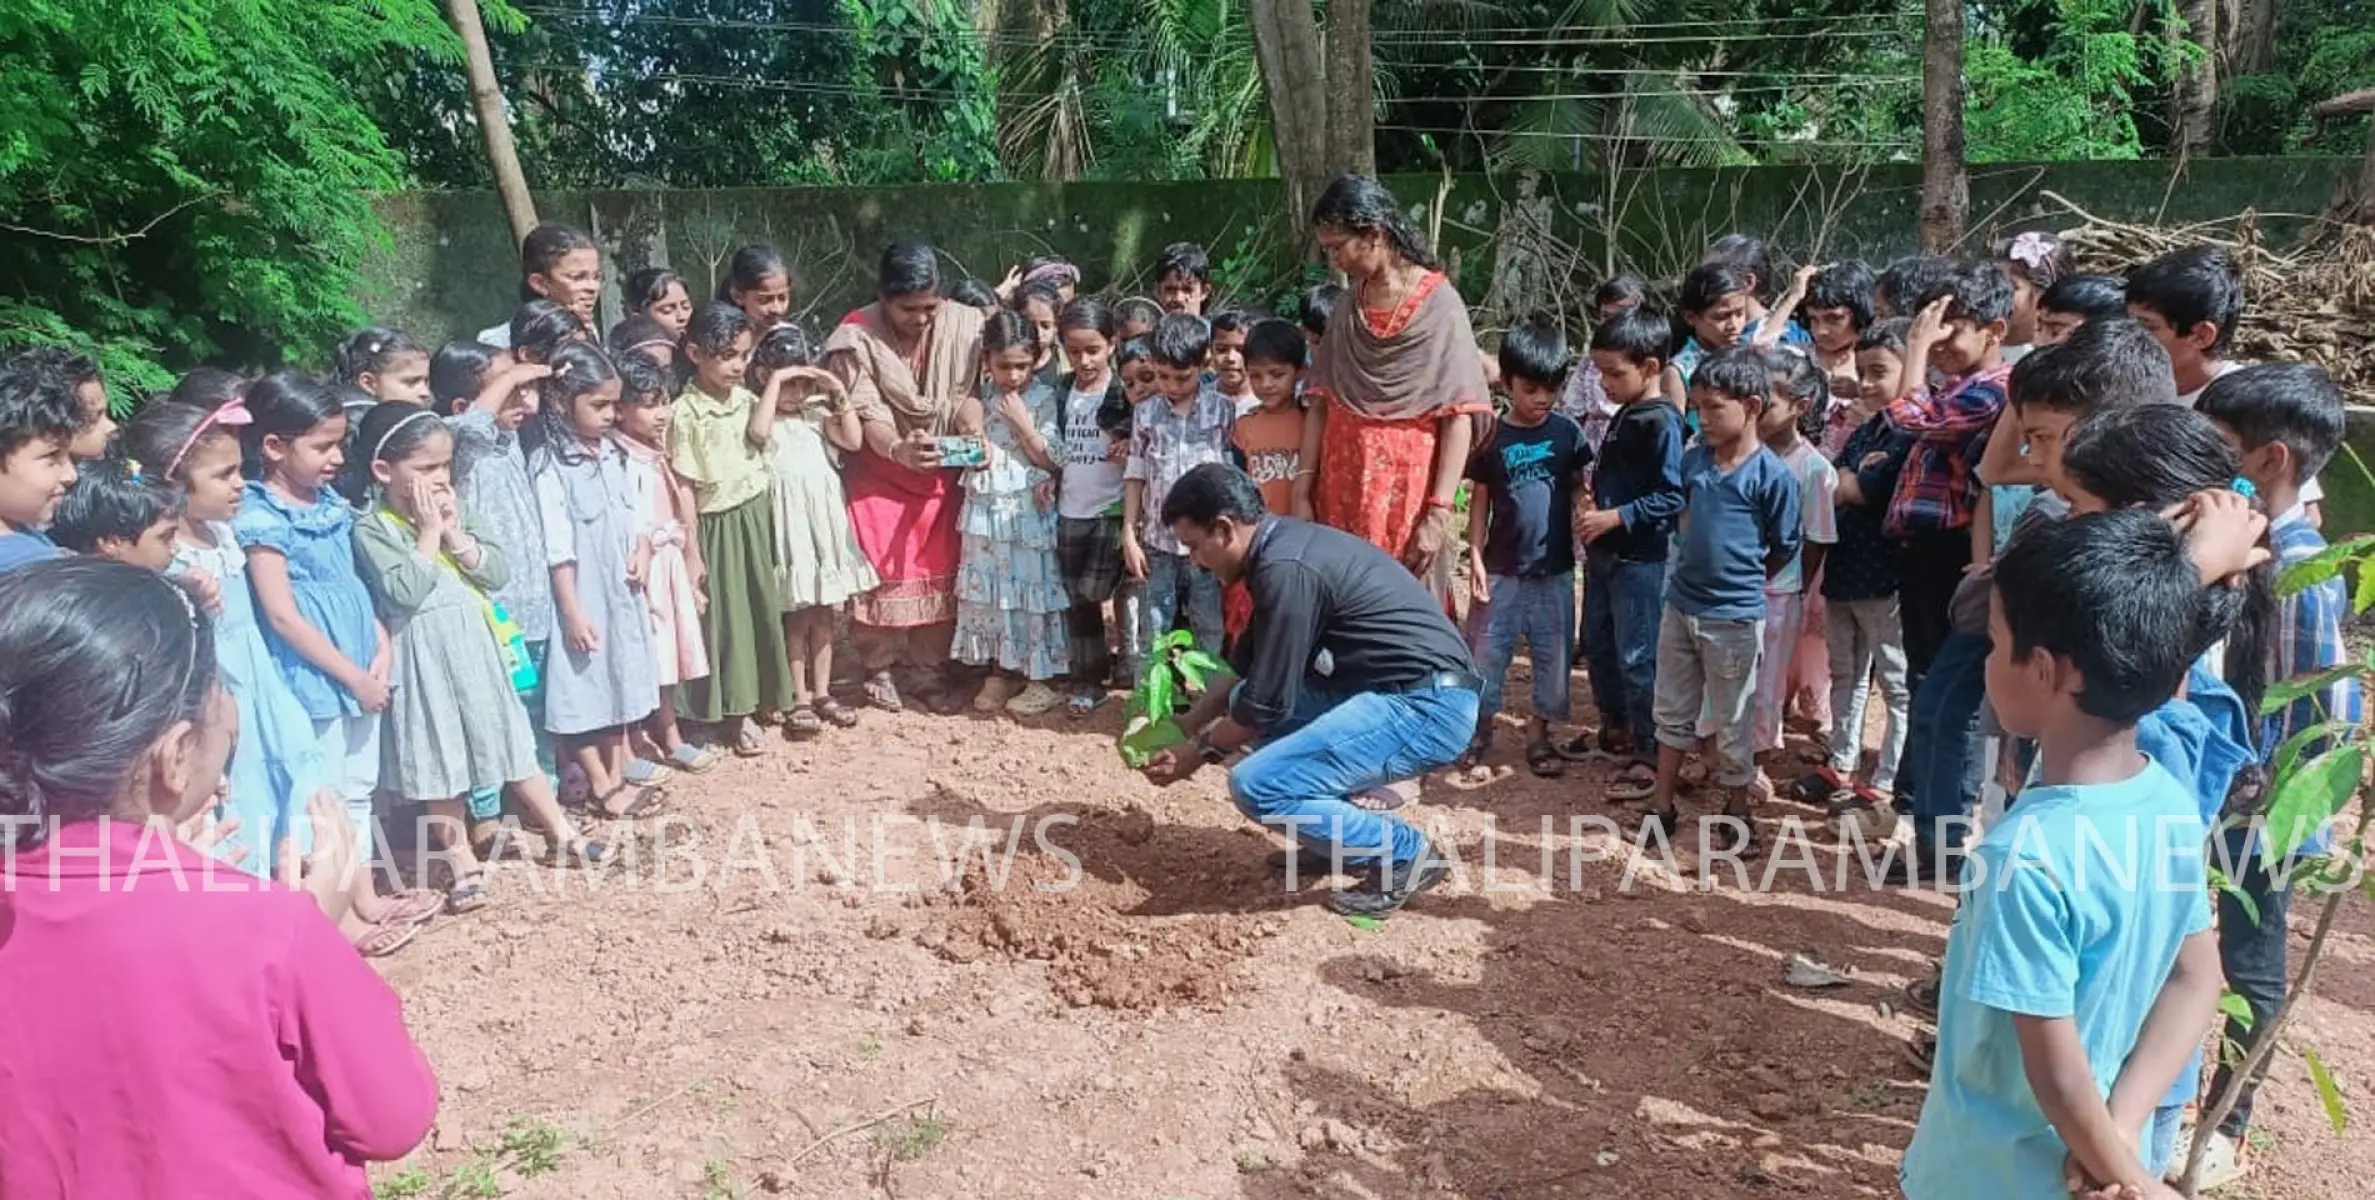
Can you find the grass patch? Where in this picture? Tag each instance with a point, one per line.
(527, 1148)
(913, 1138)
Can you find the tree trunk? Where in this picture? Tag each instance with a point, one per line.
(1945, 182)
(1352, 89)
(494, 121)
(2255, 37)
(1287, 44)
(2361, 208)
(2197, 81)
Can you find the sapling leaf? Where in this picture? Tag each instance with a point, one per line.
(2324, 565)
(2328, 1094)
(2236, 1008)
(2305, 799)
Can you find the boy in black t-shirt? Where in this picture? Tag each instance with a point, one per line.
(1521, 537)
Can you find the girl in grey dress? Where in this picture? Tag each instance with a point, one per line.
(601, 674)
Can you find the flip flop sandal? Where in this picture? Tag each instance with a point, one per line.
(413, 906)
(1816, 787)
(1544, 761)
(467, 895)
(693, 759)
(648, 801)
(1921, 1050)
(883, 693)
(746, 743)
(803, 723)
(1635, 784)
(385, 939)
(584, 852)
(643, 772)
(1083, 703)
(835, 713)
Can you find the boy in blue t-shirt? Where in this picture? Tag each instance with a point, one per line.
(1521, 537)
(40, 416)
(2081, 972)
(1740, 526)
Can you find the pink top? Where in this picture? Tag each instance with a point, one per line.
(172, 1027)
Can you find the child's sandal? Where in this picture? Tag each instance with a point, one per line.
(883, 693)
(692, 759)
(803, 722)
(386, 939)
(413, 906)
(467, 895)
(746, 743)
(1638, 782)
(835, 713)
(648, 801)
(579, 852)
(1543, 759)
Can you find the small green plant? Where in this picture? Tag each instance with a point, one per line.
(1253, 1162)
(413, 1184)
(718, 1181)
(532, 1146)
(914, 1138)
(1174, 668)
(472, 1181)
(870, 1047)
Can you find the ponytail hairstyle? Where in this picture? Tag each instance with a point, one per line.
(750, 267)
(2040, 259)
(544, 248)
(372, 351)
(1005, 330)
(162, 436)
(1358, 204)
(390, 432)
(1796, 377)
(540, 327)
(786, 345)
(98, 661)
(286, 404)
(457, 371)
(115, 496)
(649, 286)
(1088, 312)
(207, 388)
(2156, 455)
(578, 368)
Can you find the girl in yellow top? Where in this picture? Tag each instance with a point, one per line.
(709, 444)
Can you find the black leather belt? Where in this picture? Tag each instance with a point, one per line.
(1462, 680)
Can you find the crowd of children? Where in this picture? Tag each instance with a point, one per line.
(511, 572)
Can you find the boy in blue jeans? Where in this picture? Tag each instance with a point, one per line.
(1184, 425)
(1521, 538)
(1740, 527)
(1636, 493)
(2080, 973)
(2286, 421)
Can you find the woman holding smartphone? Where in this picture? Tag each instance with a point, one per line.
(909, 361)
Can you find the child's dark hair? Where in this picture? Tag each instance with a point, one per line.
(786, 345)
(1184, 258)
(208, 388)
(2151, 456)
(2093, 297)
(162, 436)
(1846, 285)
(1982, 294)
(544, 248)
(649, 286)
(1750, 255)
(1231, 320)
(113, 497)
(1276, 341)
(37, 402)
(1796, 378)
(1180, 340)
(750, 267)
(2190, 286)
(388, 433)
(1712, 281)
(1087, 312)
(1885, 335)
(2114, 361)
(1360, 204)
(1639, 334)
(2037, 256)
(1318, 305)
(372, 351)
(1736, 371)
(457, 371)
(642, 382)
(541, 327)
(973, 293)
(1625, 289)
(285, 404)
(1915, 280)
(1007, 329)
(910, 269)
(2295, 404)
(1132, 350)
(714, 327)
(74, 366)
(2114, 593)
(1535, 350)
(638, 333)
(1138, 310)
(98, 660)
(1044, 291)
(576, 370)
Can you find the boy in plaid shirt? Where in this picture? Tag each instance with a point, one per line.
(2286, 420)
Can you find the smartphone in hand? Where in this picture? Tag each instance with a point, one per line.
(963, 452)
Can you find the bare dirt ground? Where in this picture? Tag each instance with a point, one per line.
(1167, 1020)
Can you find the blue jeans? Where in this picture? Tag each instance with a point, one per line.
(1941, 752)
(1299, 779)
(1542, 610)
(1168, 577)
(1623, 602)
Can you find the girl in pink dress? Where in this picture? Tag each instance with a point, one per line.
(673, 581)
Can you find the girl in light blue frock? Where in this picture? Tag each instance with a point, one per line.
(1012, 606)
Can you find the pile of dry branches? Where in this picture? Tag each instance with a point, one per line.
(2313, 302)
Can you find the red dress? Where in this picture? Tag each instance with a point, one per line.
(1373, 474)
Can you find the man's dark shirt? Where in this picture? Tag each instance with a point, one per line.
(1320, 589)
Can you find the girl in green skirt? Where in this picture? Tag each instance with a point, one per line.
(709, 444)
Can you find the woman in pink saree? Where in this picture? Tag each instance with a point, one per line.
(908, 361)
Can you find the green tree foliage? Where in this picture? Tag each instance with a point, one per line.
(2324, 48)
(189, 179)
(2058, 79)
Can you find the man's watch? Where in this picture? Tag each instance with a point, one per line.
(1207, 751)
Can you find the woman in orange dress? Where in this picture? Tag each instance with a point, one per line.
(1397, 388)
